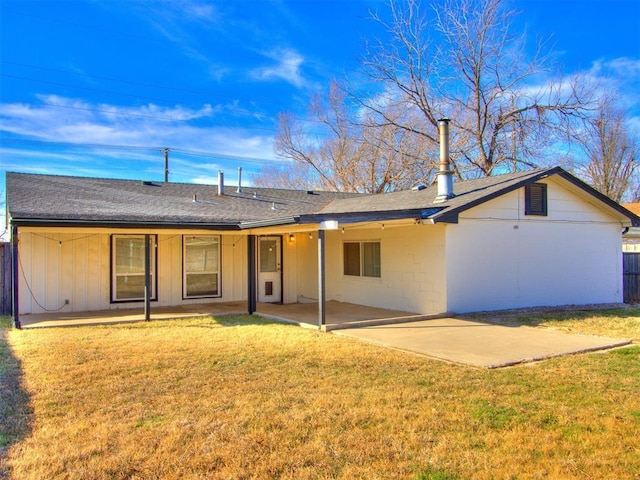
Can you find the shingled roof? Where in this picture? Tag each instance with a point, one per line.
(60, 200)
(420, 203)
(56, 199)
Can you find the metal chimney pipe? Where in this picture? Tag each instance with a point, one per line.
(220, 183)
(239, 190)
(445, 174)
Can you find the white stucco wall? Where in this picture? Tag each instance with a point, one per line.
(498, 258)
(78, 269)
(412, 269)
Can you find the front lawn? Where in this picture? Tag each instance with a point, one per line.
(240, 397)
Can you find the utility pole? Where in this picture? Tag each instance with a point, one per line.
(166, 165)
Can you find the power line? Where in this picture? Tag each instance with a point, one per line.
(184, 151)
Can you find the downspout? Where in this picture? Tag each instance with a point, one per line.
(15, 279)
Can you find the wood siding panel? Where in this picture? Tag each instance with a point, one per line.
(52, 280)
(80, 270)
(36, 275)
(79, 278)
(25, 260)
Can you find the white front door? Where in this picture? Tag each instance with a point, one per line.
(269, 272)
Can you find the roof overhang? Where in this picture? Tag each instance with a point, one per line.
(627, 218)
(47, 222)
(275, 222)
(375, 216)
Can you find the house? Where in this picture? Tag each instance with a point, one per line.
(534, 238)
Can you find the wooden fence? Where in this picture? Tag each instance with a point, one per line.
(631, 276)
(5, 278)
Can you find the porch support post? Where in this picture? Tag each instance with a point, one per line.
(15, 277)
(147, 277)
(251, 274)
(321, 281)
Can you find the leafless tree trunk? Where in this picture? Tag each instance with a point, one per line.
(465, 64)
(611, 152)
(335, 153)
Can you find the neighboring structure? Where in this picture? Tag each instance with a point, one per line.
(631, 237)
(526, 239)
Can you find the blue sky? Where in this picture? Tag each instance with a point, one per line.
(100, 87)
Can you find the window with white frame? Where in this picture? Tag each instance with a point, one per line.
(127, 267)
(362, 259)
(201, 266)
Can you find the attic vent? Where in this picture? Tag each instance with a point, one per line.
(148, 183)
(418, 187)
(311, 192)
(535, 199)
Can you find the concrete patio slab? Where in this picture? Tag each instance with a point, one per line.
(480, 344)
(105, 317)
(338, 314)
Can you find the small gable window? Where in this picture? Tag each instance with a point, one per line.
(535, 199)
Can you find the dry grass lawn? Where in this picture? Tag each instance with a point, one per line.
(241, 397)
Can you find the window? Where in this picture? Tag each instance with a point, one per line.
(535, 202)
(127, 267)
(362, 259)
(201, 266)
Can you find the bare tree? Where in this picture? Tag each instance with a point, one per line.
(336, 153)
(464, 63)
(611, 151)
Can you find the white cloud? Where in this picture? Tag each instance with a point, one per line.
(77, 137)
(287, 67)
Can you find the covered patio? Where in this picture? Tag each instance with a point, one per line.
(339, 315)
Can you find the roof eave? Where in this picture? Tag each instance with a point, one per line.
(375, 216)
(273, 222)
(47, 222)
(634, 220)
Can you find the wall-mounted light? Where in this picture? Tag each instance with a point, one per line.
(292, 237)
(311, 236)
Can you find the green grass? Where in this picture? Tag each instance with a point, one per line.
(247, 398)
